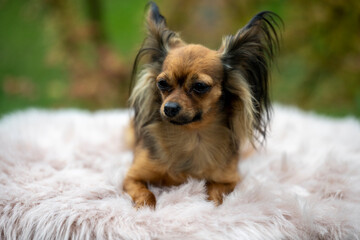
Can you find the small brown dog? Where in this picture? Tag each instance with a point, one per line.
(195, 107)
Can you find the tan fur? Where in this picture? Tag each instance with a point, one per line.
(185, 153)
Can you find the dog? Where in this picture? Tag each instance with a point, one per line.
(196, 107)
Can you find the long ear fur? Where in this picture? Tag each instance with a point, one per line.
(145, 98)
(247, 57)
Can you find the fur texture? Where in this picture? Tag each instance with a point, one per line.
(196, 107)
(61, 173)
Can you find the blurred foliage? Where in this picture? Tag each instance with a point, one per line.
(79, 53)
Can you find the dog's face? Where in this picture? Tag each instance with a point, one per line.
(190, 84)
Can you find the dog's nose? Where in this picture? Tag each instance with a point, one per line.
(171, 109)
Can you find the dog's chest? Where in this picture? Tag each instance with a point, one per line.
(195, 152)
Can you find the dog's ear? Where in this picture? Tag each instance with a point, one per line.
(247, 57)
(145, 98)
(159, 39)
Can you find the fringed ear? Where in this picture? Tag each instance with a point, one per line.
(159, 38)
(247, 57)
(145, 98)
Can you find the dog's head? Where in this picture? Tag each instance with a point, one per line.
(191, 85)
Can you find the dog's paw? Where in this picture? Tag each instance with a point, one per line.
(146, 199)
(215, 197)
(217, 191)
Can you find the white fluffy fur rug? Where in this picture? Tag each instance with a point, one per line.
(61, 174)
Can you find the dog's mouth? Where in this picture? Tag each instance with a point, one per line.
(185, 120)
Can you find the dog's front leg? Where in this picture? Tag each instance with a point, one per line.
(135, 184)
(139, 192)
(222, 181)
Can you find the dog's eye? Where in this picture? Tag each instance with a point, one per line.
(163, 85)
(201, 88)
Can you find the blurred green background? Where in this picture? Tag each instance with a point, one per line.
(79, 53)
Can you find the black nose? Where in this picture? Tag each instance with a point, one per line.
(171, 109)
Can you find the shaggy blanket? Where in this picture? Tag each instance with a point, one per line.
(61, 176)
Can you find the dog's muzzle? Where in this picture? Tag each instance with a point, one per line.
(172, 112)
